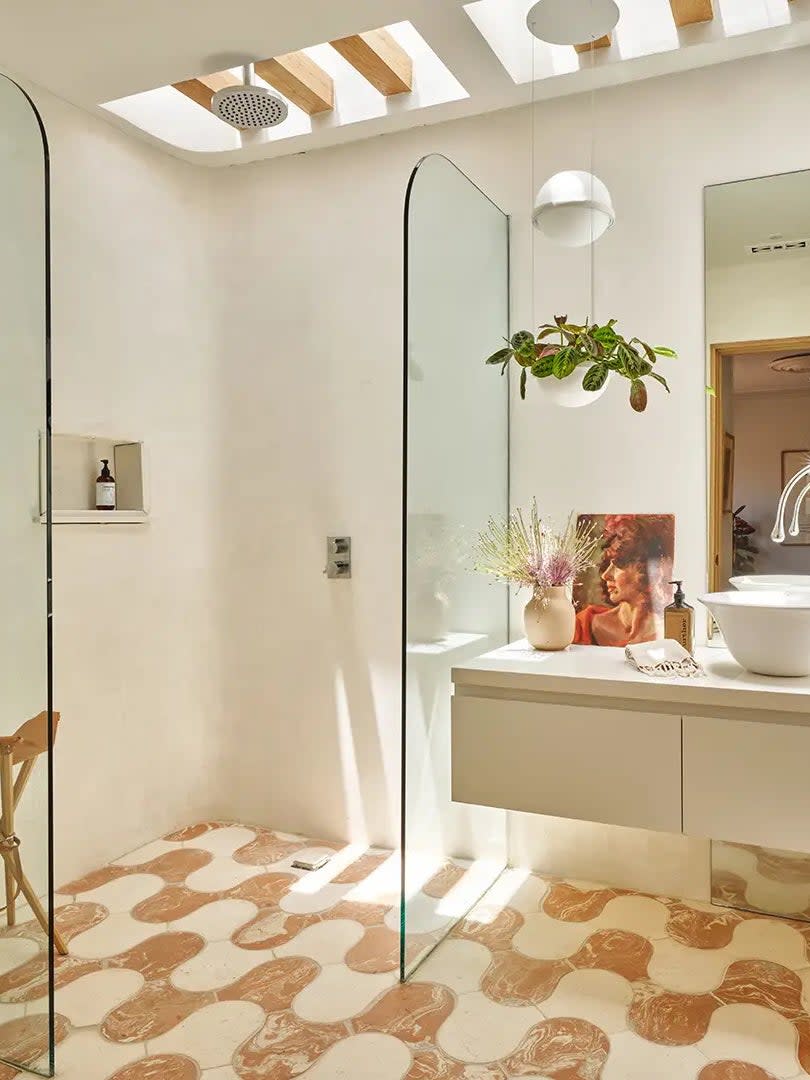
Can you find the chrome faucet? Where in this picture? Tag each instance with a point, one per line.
(778, 534)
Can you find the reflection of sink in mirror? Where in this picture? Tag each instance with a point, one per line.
(770, 582)
(766, 632)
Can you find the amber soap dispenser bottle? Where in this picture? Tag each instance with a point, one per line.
(105, 487)
(679, 619)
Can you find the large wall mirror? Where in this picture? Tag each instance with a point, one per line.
(26, 959)
(758, 331)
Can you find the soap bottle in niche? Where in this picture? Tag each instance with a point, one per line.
(105, 487)
(679, 619)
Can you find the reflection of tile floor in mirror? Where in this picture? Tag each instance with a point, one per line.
(205, 956)
(761, 879)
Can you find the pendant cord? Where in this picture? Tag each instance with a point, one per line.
(592, 170)
(533, 192)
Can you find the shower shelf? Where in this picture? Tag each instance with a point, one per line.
(76, 460)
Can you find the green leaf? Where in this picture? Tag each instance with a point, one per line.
(662, 350)
(710, 390)
(564, 363)
(660, 379)
(523, 385)
(543, 367)
(638, 395)
(520, 337)
(560, 320)
(499, 356)
(595, 376)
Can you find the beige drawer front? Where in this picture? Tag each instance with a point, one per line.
(592, 764)
(747, 782)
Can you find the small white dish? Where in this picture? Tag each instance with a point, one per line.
(767, 632)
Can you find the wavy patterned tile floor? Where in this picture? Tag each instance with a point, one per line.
(207, 956)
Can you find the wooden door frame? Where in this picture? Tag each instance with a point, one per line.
(717, 354)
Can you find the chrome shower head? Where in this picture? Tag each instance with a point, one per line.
(249, 107)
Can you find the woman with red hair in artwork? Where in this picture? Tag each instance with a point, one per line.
(634, 574)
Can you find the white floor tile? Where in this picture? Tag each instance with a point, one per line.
(633, 1058)
(307, 897)
(218, 965)
(114, 935)
(480, 1030)
(363, 1057)
(223, 841)
(686, 970)
(221, 873)
(211, 1035)
(600, 997)
(457, 964)
(325, 942)
(124, 893)
(218, 920)
(338, 994)
(754, 1034)
(87, 1000)
(85, 1055)
(16, 951)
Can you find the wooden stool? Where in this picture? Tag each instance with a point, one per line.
(22, 748)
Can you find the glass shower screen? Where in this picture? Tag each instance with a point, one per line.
(456, 476)
(26, 965)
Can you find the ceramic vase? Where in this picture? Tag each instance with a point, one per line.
(550, 619)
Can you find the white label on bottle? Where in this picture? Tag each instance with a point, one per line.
(105, 494)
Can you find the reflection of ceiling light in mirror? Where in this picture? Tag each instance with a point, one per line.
(795, 364)
(572, 22)
(573, 209)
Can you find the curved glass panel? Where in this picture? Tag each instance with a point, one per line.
(26, 1033)
(456, 429)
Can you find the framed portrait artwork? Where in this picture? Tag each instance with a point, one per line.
(621, 600)
(792, 461)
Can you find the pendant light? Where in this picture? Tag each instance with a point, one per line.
(573, 208)
(572, 22)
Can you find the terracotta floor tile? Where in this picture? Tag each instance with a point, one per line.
(264, 890)
(496, 935)
(757, 982)
(441, 883)
(734, 1070)
(366, 914)
(619, 951)
(156, 1009)
(271, 928)
(268, 848)
(26, 1039)
(162, 1067)
(661, 1016)
(273, 985)
(157, 958)
(285, 1047)
(433, 1064)
(361, 868)
(515, 979)
(378, 950)
(567, 902)
(172, 903)
(702, 929)
(191, 832)
(413, 1012)
(564, 1049)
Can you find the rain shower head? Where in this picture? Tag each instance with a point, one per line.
(249, 107)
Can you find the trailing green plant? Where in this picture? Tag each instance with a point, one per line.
(599, 350)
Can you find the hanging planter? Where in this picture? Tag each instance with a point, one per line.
(583, 360)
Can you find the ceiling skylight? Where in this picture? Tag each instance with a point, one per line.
(174, 118)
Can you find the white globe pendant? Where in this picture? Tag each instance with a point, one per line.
(572, 22)
(573, 209)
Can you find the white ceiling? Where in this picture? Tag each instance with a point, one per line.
(95, 51)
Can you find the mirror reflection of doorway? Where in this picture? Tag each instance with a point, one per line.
(760, 439)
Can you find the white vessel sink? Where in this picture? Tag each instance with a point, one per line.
(771, 582)
(767, 632)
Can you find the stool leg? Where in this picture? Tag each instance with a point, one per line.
(7, 797)
(33, 902)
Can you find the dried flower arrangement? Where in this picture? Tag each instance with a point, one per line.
(530, 554)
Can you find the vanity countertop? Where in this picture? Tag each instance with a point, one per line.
(589, 671)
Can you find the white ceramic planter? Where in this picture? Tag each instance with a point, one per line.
(568, 393)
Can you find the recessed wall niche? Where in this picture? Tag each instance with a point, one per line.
(76, 461)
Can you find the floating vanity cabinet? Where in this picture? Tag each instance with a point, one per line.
(747, 782)
(591, 763)
(581, 734)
